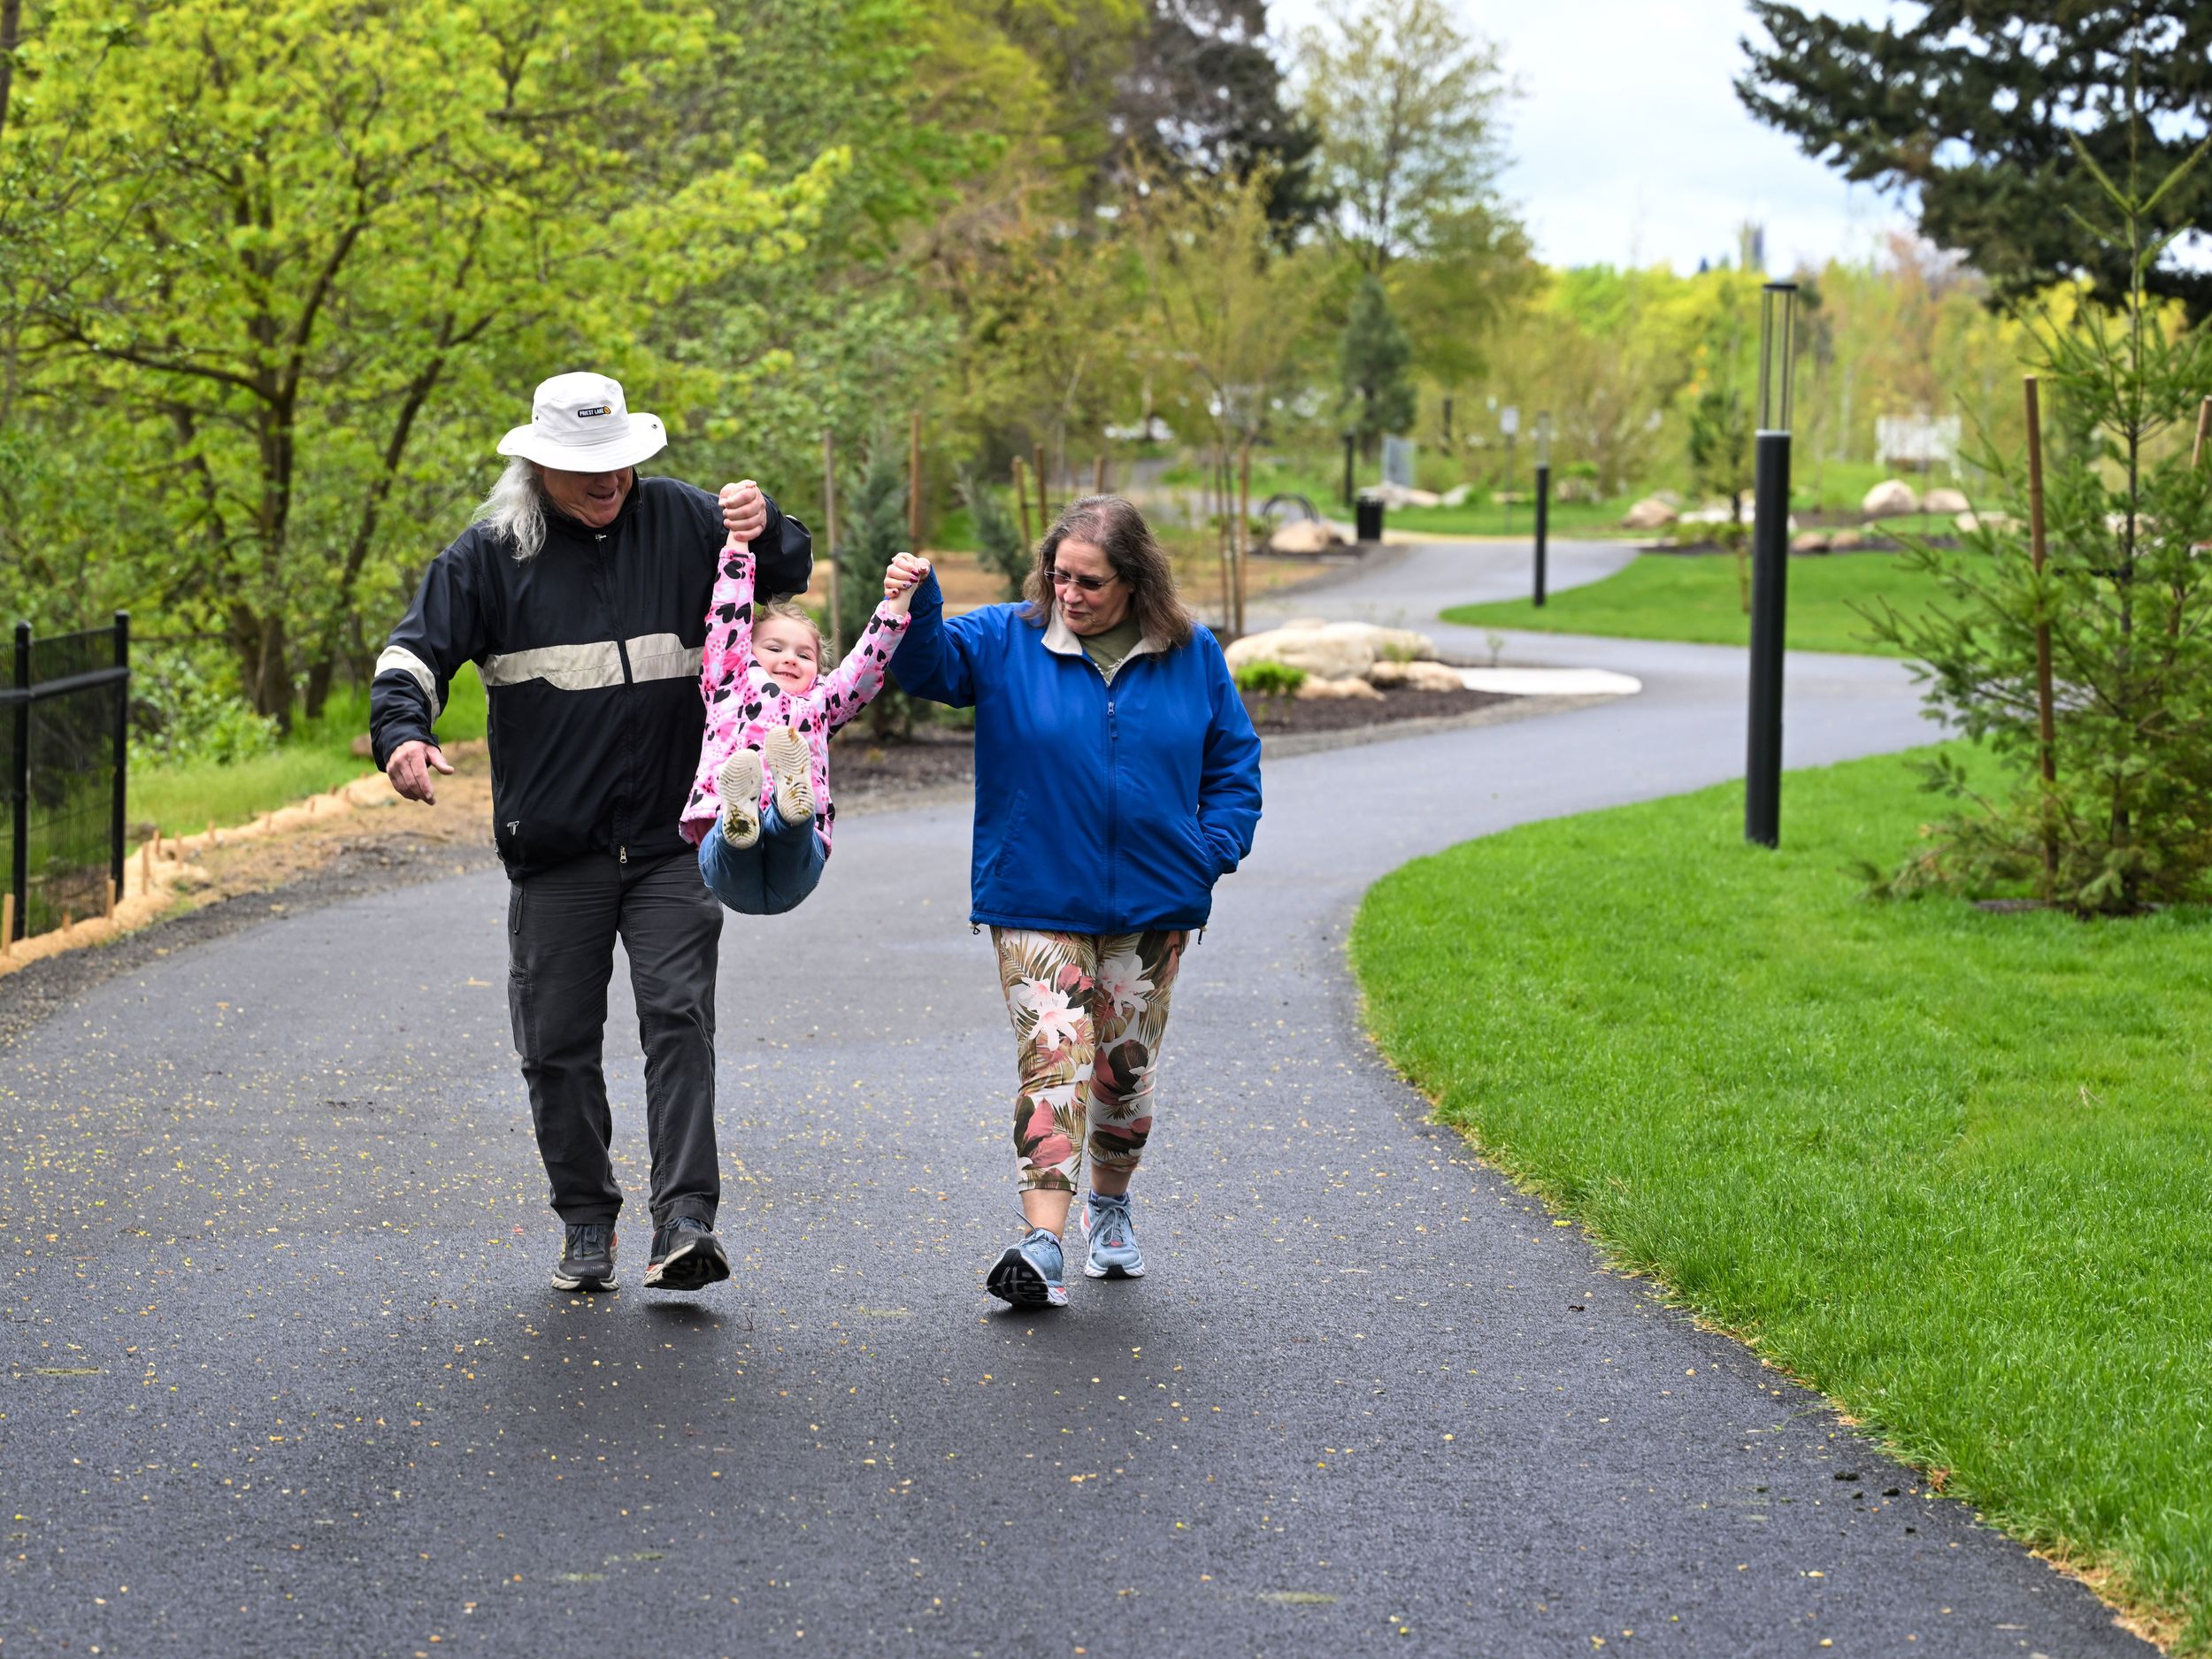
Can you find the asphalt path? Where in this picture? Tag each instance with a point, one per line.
(285, 1374)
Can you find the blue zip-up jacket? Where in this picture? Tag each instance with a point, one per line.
(1099, 808)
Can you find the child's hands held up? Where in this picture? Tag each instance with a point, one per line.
(901, 578)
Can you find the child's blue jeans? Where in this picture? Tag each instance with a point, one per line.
(772, 876)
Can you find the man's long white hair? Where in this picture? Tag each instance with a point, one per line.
(516, 509)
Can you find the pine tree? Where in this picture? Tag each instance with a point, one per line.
(1993, 115)
(997, 536)
(2125, 820)
(1377, 360)
(875, 530)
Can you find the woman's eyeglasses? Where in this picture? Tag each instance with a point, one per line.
(1088, 584)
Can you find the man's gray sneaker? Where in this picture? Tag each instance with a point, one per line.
(586, 1258)
(686, 1256)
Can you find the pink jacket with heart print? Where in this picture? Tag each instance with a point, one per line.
(744, 703)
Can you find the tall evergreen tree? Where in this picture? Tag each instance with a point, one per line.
(1378, 363)
(1975, 107)
(1204, 95)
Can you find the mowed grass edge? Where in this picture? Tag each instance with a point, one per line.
(1699, 597)
(1952, 1168)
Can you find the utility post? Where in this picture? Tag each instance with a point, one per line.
(1769, 564)
(1543, 497)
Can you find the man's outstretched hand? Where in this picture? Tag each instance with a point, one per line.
(744, 511)
(411, 769)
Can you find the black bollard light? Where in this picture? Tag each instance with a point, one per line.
(1770, 565)
(1543, 497)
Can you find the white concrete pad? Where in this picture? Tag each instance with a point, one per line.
(1551, 682)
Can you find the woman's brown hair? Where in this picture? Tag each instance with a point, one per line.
(1118, 530)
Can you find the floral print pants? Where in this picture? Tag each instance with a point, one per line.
(1088, 1012)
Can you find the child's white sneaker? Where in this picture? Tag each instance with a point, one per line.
(738, 781)
(793, 769)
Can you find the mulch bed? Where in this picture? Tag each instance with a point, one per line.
(935, 757)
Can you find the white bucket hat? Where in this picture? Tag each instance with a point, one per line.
(579, 424)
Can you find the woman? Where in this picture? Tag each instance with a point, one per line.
(1116, 779)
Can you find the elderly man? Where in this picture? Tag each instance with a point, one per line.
(580, 593)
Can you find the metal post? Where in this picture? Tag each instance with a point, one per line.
(119, 828)
(1351, 489)
(20, 786)
(1769, 579)
(1543, 501)
(1769, 566)
(1543, 527)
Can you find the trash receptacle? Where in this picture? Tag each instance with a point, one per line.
(1367, 514)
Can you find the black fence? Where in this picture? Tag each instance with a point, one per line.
(65, 726)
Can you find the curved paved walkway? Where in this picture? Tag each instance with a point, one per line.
(284, 1361)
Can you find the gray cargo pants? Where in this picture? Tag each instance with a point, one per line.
(561, 925)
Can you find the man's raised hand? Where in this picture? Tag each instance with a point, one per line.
(411, 769)
(744, 509)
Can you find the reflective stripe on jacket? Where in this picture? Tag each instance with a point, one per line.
(589, 654)
(1099, 808)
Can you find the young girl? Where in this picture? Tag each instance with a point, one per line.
(760, 809)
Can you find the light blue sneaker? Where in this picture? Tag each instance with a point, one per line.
(1112, 1238)
(1031, 1274)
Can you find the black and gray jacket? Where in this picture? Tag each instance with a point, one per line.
(589, 653)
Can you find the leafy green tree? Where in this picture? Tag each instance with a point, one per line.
(1377, 357)
(1996, 116)
(2125, 817)
(1407, 105)
(1203, 100)
(285, 249)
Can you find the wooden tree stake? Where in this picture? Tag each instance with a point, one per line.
(1244, 524)
(1021, 498)
(829, 537)
(914, 483)
(2204, 430)
(7, 924)
(1098, 475)
(1044, 505)
(2046, 715)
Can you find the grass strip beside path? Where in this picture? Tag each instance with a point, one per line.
(184, 798)
(1696, 597)
(1952, 1168)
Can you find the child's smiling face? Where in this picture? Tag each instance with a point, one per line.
(789, 651)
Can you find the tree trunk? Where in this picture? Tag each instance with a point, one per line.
(11, 36)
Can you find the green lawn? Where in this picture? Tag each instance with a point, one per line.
(1697, 596)
(1952, 1168)
(185, 799)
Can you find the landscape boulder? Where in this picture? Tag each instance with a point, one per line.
(1320, 688)
(1650, 513)
(1333, 650)
(1945, 500)
(1892, 498)
(1304, 536)
(1847, 541)
(1810, 541)
(1402, 496)
(1456, 496)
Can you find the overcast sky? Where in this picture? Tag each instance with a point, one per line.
(1628, 144)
